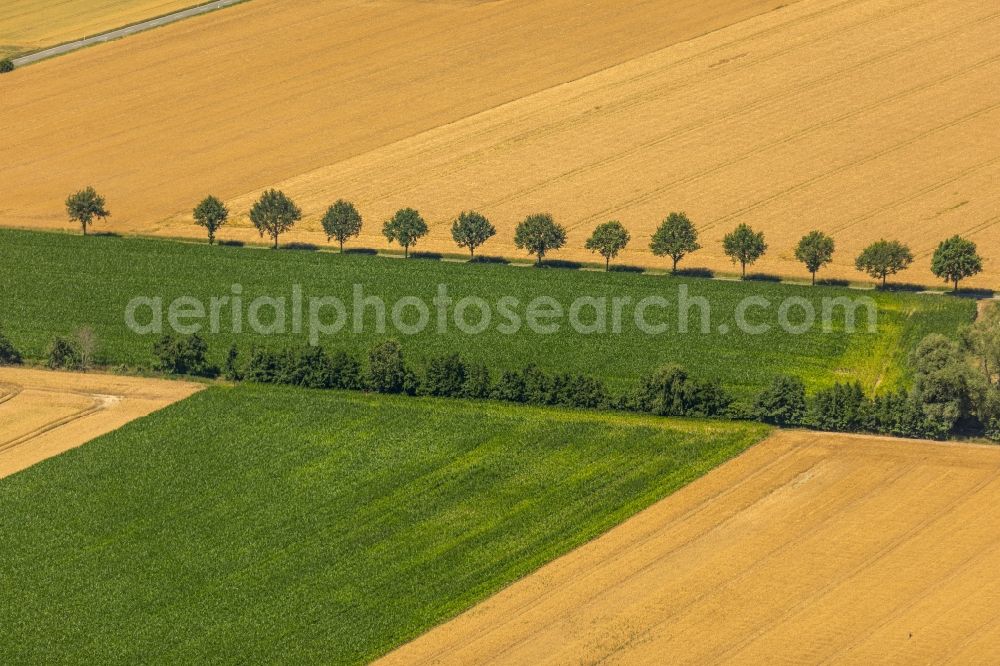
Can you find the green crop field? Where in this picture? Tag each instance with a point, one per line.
(264, 525)
(55, 283)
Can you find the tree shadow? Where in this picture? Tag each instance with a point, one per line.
(626, 268)
(301, 247)
(762, 277)
(902, 286)
(561, 263)
(486, 259)
(695, 273)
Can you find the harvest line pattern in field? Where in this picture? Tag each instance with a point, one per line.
(863, 119)
(43, 414)
(156, 142)
(768, 557)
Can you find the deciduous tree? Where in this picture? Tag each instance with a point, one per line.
(212, 214)
(274, 214)
(675, 238)
(884, 258)
(608, 240)
(406, 227)
(342, 221)
(84, 206)
(815, 250)
(956, 259)
(539, 234)
(471, 229)
(744, 246)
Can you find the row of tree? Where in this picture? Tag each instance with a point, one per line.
(275, 213)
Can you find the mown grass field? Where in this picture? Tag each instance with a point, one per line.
(267, 525)
(29, 25)
(55, 283)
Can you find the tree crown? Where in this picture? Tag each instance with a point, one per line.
(675, 237)
(274, 213)
(883, 258)
(211, 213)
(744, 245)
(86, 205)
(609, 239)
(405, 227)
(956, 259)
(471, 229)
(539, 234)
(815, 250)
(341, 221)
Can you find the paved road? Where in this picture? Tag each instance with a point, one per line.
(123, 32)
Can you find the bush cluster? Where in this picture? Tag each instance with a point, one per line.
(9, 355)
(64, 354)
(846, 408)
(671, 392)
(183, 355)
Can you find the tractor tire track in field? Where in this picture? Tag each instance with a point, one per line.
(44, 413)
(763, 148)
(784, 97)
(458, 165)
(99, 403)
(838, 522)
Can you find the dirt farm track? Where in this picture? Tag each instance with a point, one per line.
(43, 414)
(862, 118)
(809, 548)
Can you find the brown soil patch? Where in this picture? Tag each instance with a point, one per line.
(43, 414)
(809, 547)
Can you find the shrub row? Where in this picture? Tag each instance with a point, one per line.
(844, 407)
(668, 392)
(945, 392)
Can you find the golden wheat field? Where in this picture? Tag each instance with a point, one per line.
(863, 118)
(809, 548)
(29, 25)
(242, 98)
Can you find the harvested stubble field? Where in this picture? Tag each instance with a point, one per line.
(269, 525)
(809, 548)
(29, 25)
(43, 414)
(270, 89)
(863, 118)
(44, 295)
